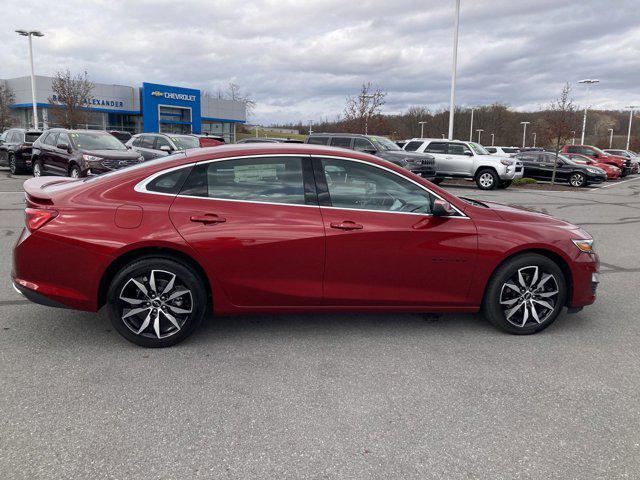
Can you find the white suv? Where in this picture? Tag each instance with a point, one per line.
(458, 159)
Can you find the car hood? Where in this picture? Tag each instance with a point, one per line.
(114, 154)
(520, 214)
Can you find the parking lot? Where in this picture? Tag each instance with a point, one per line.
(334, 396)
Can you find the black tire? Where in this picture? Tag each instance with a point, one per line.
(437, 181)
(173, 325)
(505, 183)
(74, 171)
(578, 180)
(498, 295)
(487, 179)
(14, 169)
(37, 168)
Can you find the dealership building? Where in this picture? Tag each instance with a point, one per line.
(148, 108)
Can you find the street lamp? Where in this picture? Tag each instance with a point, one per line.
(29, 34)
(588, 82)
(632, 107)
(479, 130)
(471, 126)
(422, 129)
(610, 137)
(534, 139)
(573, 137)
(524, 132)
(443, 135)
(456, 24)
(310, 123)
(492, 138)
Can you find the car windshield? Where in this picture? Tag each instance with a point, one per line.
(382, 143)
(185, 141)
(96, 141)
(478, 149)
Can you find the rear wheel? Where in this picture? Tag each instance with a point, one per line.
(525, 295)
(13, 165)
(156, 302)
(578, 180)
(487, 179)
(37, 168)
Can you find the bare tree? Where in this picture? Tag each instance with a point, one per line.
(72, 94)
(7, 98)
(558, 119)
(361, 108)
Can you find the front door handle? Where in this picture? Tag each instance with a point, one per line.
(346, 225)
(207, 218)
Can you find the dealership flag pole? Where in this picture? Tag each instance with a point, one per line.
(453, 69)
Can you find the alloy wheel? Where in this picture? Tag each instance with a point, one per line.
(12, 165)
(155, 305)
(576, 180)
(36, 169)
(74, 173)
(529, 296)
(486, 180)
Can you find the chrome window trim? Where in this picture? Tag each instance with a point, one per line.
(141, 186)
(462, 215)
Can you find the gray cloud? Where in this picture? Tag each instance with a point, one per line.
(300, 59)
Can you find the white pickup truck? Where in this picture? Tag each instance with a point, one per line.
(459, 159)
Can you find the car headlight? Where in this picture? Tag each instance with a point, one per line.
(506, 162)
(585, 245)
(595, 170)
(91, 158)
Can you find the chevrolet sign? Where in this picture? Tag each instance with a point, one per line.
(174, 96)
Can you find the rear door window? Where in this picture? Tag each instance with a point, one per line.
(318, 140)
(344, 142)
(436, 147)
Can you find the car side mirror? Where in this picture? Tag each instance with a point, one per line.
(469, 154)
(370, 151)
(63, 146)
(595, 155)
(166, 148)
(442, 208)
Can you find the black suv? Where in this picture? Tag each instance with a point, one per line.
(539, 165)
(78, 153)
(421, 164)
(15, 150)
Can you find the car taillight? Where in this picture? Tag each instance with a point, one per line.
(35, 218)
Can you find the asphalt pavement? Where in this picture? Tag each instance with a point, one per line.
(345, 396)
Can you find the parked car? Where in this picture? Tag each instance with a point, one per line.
(123, 136)
(458, 159)
(539, 165)
(78, 153)
(613, 172)
(418, 163)
(503, 151)
(269, 140)
(624, 164)
(15, 149)
(209, 140)
(290, 228)
(156, 145)
(631, 155)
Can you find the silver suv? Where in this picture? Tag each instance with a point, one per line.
(458, 159)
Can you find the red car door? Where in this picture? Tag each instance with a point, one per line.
(383, 247)
(256, 223)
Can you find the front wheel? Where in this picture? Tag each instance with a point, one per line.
(578, 180)
(156, 302)
(487, 179)
(525, 295)
(74, 172)
(13, 165)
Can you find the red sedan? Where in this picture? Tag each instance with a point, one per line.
(613, 172)
(289, 228)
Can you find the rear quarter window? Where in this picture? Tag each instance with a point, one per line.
(318, 140)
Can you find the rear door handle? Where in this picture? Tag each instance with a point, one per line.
(346, 225)
(207, 218)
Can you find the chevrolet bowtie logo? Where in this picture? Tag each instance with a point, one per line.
(157, 94)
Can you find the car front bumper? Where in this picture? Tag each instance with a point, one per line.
(511, 172)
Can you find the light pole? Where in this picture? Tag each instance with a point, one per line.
(452, 102)
(632, 107)
(492, 138)
(443, 135)
(422, 129)
(588, 82)
(29, 34)
(471, 126)
(573, 138)
(310, 123)
(524, 132)
(610, 137)
(479, 130)
(534, 139)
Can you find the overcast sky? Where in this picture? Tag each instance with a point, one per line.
(300, 59)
